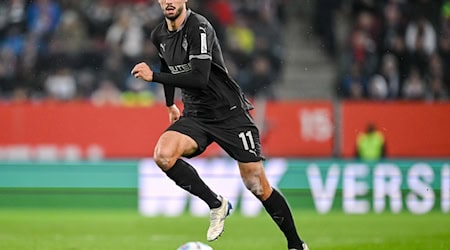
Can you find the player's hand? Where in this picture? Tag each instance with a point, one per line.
(174, 113)
(143, 71)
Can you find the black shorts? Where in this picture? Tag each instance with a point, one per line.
(237, 135)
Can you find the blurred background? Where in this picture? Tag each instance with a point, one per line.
(279, 49)
(350, 90)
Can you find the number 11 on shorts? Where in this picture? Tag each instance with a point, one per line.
(247, 138)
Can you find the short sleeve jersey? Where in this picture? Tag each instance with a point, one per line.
(196, 39)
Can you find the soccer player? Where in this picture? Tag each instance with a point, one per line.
(215, 109)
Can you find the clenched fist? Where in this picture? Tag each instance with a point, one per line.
(143, 71)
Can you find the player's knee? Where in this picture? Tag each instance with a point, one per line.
(165, 159)
(255, 180)
(254, 185)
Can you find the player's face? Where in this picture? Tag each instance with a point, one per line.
(172, 8)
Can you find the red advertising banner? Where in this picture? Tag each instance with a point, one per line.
(298, 128)
(411, 129)
(288, 129)
(114, 131)
(83, 131)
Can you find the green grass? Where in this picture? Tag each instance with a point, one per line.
(49, 229)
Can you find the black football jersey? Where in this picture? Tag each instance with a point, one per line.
(196, 39)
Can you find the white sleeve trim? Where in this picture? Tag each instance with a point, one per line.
(202, 56)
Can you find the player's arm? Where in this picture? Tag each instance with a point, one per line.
(196, 78)
(200, 37)
(169, 93)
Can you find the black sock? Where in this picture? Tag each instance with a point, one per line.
(278, 209)
(186, 177)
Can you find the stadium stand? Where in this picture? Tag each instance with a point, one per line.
(83, 50)
(395, 50)
(276, 49)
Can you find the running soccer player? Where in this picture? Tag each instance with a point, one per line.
(215, 109)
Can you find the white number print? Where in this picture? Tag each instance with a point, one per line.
(247, 138)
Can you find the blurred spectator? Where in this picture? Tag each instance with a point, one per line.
(354, 83)
(362, 47)
(126, 35)
(8, 68)
(387, 83)
(106, 94)
(43, 17)
(421, 41)
(435, 79)
(358, 6)
(11, 49)
(414, 86)
(12, 13)
(86, 83)
(138, 93)
(402, 56)
(241, 39)
(69, 40)
(324, 23)
(99, 16)
(390, 72)
(356, 90)
(61, 85)
(268, 43)
(444, 52)
(393, 26)
(149, 13)
(113, 67)
(261, 80)
(27, 78)
(223, 11)
(368, 22)
(378, 89)
(370, 144)
(430, 9)
(13, 41)
(359, 63)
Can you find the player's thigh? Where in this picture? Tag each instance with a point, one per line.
(255, 179)
(173, 144)
(183, 138)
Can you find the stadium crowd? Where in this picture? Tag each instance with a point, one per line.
(394, 49)
(84, 49)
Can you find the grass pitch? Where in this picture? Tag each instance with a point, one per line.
(51, 229)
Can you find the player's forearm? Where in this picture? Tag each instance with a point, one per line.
(196, 78)
(169, 93)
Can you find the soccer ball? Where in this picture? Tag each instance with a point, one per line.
(195, 246)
